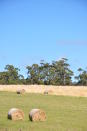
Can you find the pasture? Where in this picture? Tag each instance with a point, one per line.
(64, 113)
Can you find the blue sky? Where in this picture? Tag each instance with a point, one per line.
(32, 30)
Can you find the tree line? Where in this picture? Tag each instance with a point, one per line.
(54, 73)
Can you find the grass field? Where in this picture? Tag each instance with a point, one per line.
(64, 113)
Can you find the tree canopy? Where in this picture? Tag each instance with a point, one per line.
(54, 73)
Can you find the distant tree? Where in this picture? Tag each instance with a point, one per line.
(22, 80)
(82, 77)
(57, 73)
(4, 78)
(33, 74)
(45, 73)
(63, 74)
(12, 72)
(11, 75)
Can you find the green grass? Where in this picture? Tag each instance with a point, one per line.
(64, 113)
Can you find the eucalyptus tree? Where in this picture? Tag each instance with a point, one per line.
(82, 77)
(10, 75)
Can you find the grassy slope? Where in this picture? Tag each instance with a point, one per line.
(63, 113)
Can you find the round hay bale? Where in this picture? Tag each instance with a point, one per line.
(46, 92)
(22, 91)
(37, 115)
(15, 114)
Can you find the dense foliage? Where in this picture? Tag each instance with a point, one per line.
(55, 73)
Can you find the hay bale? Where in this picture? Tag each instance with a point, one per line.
(22, 91)
(37, 115)
(15, 114)
(46, 92)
